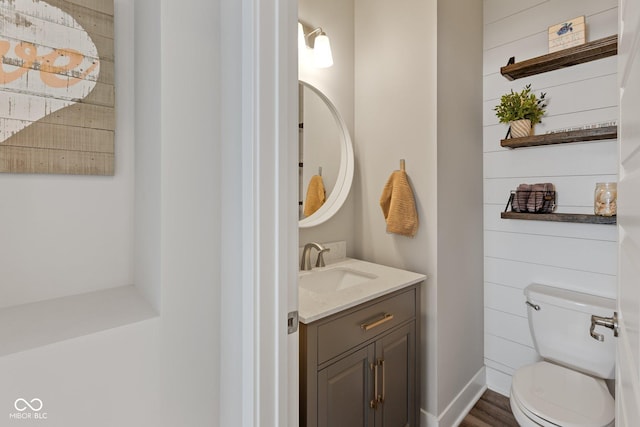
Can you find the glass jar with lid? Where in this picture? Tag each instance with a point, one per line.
(605, 199)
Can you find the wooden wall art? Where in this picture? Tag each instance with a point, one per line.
(57, 96)
(567, 34)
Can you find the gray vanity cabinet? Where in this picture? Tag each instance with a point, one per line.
(359, 367)
(343, 391)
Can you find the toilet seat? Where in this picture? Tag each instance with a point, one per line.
(524, 417)
(552, 395)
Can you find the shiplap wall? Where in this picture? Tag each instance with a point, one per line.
(581, 257)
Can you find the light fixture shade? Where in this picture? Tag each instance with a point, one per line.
(302, 44)
(322, 57)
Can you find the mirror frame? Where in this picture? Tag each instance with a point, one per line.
(342, 188)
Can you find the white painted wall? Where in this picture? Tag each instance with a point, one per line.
(148, 190)
(459, 200)
(396, 119)
(191, 182)
(165, 371)
(101, 380)
(412, 69)
(581, 257)
(336, 17)
(111, 377)
(62, 235)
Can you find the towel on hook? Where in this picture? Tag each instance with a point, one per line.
(316, 195)
(399, 206)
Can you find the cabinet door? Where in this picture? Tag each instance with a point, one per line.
(345, 391)
(396, 358)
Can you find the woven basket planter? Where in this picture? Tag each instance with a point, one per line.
(521, 128)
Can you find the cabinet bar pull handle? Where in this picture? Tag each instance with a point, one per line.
(385, 318)
(381, 397)
(374, 402)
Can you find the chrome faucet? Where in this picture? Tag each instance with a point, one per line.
(305, 263)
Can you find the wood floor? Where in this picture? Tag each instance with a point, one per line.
(492, 410)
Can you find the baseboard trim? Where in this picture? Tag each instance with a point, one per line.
(459, 406)
(427, 419)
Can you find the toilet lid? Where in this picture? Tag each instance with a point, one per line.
(562, 396)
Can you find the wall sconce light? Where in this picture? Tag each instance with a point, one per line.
(321, 50)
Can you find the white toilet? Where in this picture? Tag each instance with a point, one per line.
(567, 389)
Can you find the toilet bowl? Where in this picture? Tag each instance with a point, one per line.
(546, 394)
(568, 388)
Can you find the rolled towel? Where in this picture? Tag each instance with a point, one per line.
(536, 201)
(399, 206)
(316, 195)
(521, 198)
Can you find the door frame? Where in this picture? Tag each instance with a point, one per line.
(627, 393)
(270, 224)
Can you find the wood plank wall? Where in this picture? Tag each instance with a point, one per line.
(74, 139)
(581, 257)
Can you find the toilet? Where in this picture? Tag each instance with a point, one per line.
(568, 387)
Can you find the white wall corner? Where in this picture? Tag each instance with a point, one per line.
(460, 406)
(498, 381)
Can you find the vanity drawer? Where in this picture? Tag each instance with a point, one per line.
(342, 333)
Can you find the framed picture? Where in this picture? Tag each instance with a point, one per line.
(57, 95)
(567, 34)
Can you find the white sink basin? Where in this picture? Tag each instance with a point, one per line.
(333, 280)
(345, 284)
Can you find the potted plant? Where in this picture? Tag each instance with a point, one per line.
(521, 110)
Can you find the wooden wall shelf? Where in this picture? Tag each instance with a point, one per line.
(587, 52)
(561, 217)
(591, 51)
(608, 132)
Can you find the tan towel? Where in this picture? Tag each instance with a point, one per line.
(521, 198)
(399, 206)
(535, 203)
(316, 195)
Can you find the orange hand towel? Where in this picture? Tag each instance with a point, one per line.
(316, 195)
(399, 206)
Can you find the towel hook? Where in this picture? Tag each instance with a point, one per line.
(320, 170)
(401, 164)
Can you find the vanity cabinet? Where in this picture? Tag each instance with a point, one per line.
(359, 367)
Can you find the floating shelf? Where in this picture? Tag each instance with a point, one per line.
(561, 217)
(591, 51)
(608, 132)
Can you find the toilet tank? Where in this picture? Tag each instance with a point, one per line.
(560, 329)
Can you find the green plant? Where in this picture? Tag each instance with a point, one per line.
(521, 105)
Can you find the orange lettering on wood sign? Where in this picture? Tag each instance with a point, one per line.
(26, 52)
(48, 65)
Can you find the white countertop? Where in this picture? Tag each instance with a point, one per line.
(313, 306)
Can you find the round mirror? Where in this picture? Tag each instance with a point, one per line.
(326, 157)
